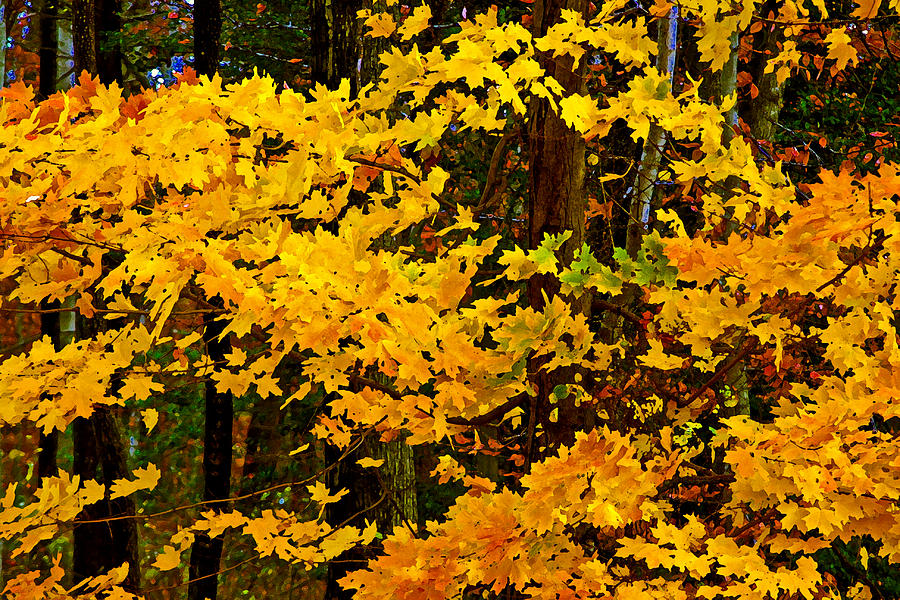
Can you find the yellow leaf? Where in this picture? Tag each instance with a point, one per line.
(656, 357)
(151, 418)
(168, 559)
(381, 24)
(237, 358)
(188, 340)
(366, 462)
(319, 493)
(416, 22)
(447, 469)
(298, 450)
(91, 492)
(866, 9)
(139, 387)
(464, 220)
(580, 112)
(839, 48)
(146, 479)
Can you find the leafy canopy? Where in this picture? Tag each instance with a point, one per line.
(177, 187)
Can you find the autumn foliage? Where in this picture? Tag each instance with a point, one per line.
(147, 207)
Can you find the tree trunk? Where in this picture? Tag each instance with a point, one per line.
(643, 187)
(98, 547)
(48, 51)
(94, 49)
(49, 442)
(557, 203)
(4, 29)
(263, 447)
(206, 553)
(338, 45)
(84, 36)
(207, 31)
(644, 184)
(728, 87)
(65, 64)
(763, 111)
(98, 451)
(341, 52)
(109, 53)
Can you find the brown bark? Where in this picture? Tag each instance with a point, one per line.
(557, 203)
(101, 546)
(391, 488)
(84, 36)
(339, 49)
(109, 54)
(206, 552)
(98, 451)
(263, 449)
(763, 111)
(94, 49)
(49, 442)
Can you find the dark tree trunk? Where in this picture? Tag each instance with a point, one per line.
(387, 494)
(263, 448)
(84, 36)
(104, 545)
(207, 31)
(49, 442)
(206, 553)
(47, 54)
(337, 51)
(98, 451)
(320, 35)
(109, 51)
(763, 111)
(557, 203)
(93, 24)
(345, 44)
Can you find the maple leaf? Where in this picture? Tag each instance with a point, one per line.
(139, 387)
(657, 358)
(380, 24)
(415, 23)
(866, 9)
(168, 559)
(840, 49)
(146, 478)
(150, 417)
(320, 494)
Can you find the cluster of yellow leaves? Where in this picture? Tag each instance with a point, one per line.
(279, 533)
(58, 501)
(312, 291)
(106, 586)
(524, 539)
(52, 388)
(826, 476)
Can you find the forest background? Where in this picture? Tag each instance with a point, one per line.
(578, 300)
